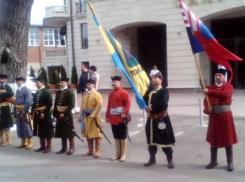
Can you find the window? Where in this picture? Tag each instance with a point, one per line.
(83, 6)
(80, 7)
(52, 37)
(33, 37)
(77, 7)
(84, 35)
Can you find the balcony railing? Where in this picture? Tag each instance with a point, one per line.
(55, 53)
(56, 10)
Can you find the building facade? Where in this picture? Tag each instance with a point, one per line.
(154, 32)
(45, 47)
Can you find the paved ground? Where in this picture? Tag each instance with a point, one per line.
(191, 152)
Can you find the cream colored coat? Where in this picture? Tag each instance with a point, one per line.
(92, 101)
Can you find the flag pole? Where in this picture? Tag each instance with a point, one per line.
(202, 80)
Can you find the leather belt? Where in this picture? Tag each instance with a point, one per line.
(158, 115)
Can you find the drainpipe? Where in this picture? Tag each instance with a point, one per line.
(72, 37)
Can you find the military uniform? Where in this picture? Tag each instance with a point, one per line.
(90, 114)
(118, 104)
(221, 128)
(23, 104)
(159, 131)
(5, 115)
(43, 128)
(64, 103)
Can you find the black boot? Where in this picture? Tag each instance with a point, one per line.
(64, 146)
(151, 161)
(213, 161)
(169, 153)
(152, 151)
(229, 155)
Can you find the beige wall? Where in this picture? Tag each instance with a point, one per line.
(182, 72)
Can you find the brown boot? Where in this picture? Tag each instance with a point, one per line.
(64, 146)
(97, 147)
(30, 143)
(48, 148)
(23, 143)
(72, 146)
(2, 135)
(42, 145)
(123, 149)
(213, 161)
(118, 150)
(229, 155)
(90, 148)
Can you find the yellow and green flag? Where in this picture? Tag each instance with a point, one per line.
(124, 61)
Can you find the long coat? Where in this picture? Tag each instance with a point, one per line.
(158, 101)
(92, 101)
(23, 97)
(5, 114)
(64, 98)
(221, 129)
(43, 127)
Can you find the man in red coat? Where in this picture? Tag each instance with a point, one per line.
(221, 130)
(117, 110)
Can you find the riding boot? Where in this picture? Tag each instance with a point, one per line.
(30, 143)
(170, 158)
(23, 143)
(2, 135)
(48, 148)
(42, 145)
(229, 155)
(64, 146)
(8, 138)
(118, 150)
(213, 161)
(123, 149)
(90, 148)
(97, 147)
(72, 146)
(151, 161)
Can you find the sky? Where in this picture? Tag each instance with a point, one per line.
(38, 10)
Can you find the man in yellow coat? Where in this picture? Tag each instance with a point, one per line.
(89, 116)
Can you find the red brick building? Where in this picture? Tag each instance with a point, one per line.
(46, 47)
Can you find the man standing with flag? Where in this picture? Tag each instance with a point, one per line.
(221, 130)
(117, 110)
(159, 131)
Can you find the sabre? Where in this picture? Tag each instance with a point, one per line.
(126, 123)
(101, 131)
(26, 120)
(67, 119)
